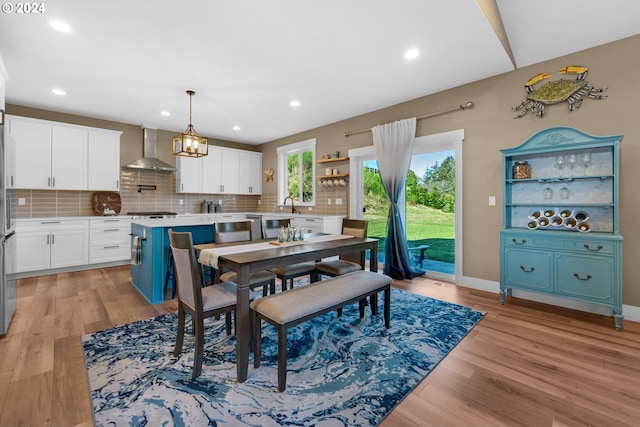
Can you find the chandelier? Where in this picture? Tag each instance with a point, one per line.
(189, 143)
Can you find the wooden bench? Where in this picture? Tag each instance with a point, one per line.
(289, 308)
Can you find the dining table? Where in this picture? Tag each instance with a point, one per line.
(249, 257)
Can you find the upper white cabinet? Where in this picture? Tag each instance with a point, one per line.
(251, 172)
(104, 160)
(57, 156)
(189, 174)
(223, 171)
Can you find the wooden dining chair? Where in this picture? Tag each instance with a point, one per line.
(271, 229)
(200, 302)
(348, 262)
(240, 231)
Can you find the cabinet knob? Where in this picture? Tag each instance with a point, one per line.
(522, 242)
(523, 268)
(587, 247)
(577, 276)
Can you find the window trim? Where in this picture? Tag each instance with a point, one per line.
(284, 151)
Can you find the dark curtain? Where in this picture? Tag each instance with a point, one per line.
(394, 147)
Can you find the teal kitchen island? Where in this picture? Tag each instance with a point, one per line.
(150, 274)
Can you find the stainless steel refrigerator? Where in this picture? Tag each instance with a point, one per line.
(7, 233)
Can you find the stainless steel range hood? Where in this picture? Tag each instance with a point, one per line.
(149, 161)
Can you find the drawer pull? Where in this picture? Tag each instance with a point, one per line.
(586, 245)
(577, 276)
(532, 269)
(111, 229)
(111, 247)
(522, 242)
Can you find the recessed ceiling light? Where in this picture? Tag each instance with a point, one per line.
(236, 127)
(295, 103)
(165, 113)
(58, 92)
(412, 54)
(60, 26)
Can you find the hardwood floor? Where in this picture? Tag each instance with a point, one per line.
(524, 364)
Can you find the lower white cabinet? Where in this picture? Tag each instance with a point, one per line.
(331, 225)
(48, 244)
(110, 240)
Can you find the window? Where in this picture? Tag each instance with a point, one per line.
(296, 167)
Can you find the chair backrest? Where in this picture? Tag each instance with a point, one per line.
(271, 227)
(226, 232)
(187, 271)
(355, 228)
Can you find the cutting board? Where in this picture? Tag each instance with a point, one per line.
(110, 198)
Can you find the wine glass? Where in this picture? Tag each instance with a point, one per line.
(572, 160)
(560, 163)
(585, 160)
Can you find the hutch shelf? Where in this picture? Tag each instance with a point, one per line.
(560, 218)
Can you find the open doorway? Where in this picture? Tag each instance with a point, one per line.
(431, 206)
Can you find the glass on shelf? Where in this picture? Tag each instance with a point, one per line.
(572, 160)
(560, 163)
(585, 161)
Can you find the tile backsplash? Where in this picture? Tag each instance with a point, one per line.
(64, 203)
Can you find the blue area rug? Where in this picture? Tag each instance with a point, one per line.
(341, 371)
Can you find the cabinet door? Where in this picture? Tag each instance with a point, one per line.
(250, 172)
(528, 269)
(69, 158)
(230, 170)
(584, 277)
(104, 161)
(69, 248)
(212, 171)
(9, 159)
(189, 174)
(32, 152)
(32, 251)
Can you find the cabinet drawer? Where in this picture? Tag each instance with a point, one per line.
(528, 269)
(51, 225)
(585, 277)
(108, 253)
(99, 224)
(110, 236)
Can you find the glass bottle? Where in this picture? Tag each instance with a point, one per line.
(521, 170)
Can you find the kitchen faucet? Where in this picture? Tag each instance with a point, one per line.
(293, 208)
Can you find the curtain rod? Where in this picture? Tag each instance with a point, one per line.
(426, 116)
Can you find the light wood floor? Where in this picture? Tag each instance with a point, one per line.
(524, 364)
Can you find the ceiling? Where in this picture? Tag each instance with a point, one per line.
(246, 60)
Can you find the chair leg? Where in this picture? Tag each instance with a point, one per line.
(180, 337)
(387, 307)
(272, 286)
(361, 305)
(282, 358)
(227, 321)
(199, 350)
(257, 339)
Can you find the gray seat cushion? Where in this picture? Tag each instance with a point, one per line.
(218, 296)
(295, 269)
(297, 303)
(337, 267)
(259, 277)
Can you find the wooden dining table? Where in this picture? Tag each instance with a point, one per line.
(269, 256)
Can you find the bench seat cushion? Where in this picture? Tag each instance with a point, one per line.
(297, 303)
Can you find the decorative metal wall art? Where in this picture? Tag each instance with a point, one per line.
(557, 91)
(268, 174)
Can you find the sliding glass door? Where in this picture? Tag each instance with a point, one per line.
(431, 206)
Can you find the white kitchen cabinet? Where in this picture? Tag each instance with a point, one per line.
(104, 160)
(189, 174)
(32, 141)
(9, 159)
(250, 172)
(109, 239)
(220, 171)
(51, 243)
(56, 156)
(69, 158)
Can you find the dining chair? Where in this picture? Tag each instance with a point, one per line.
(271, 229)
(193, 298)
(348, 262)
(240, 231)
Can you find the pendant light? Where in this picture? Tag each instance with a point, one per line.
(189, 143)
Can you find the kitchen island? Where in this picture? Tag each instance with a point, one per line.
(150, 274)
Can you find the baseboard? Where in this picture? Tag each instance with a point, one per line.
(26, 274)
(629, 312)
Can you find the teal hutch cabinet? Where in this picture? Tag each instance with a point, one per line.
(560, 218)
